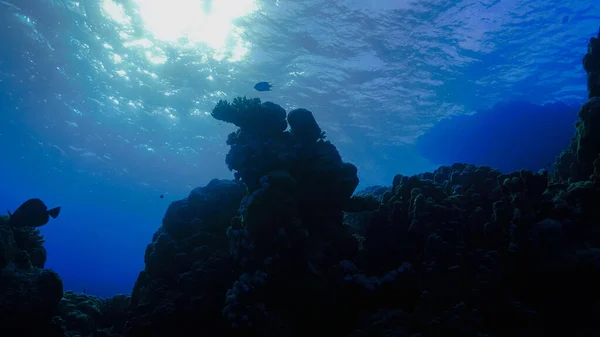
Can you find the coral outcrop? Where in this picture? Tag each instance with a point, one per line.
(32, 302)
(29, 294)
(581, 159)
(461, 251)
(266, 234)
(188, 265)
(85, 315)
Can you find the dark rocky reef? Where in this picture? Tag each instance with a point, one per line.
(85, 315)
(581, 160)
(591, 64)
(32, 302)
(254, 243)
(29, 294)
(462, 251)
(486, 248)
(188, 265)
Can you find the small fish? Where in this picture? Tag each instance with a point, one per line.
(565, 19)
(263, 86)
(162, 196)
(32, 213)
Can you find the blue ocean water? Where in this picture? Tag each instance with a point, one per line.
(105, 105)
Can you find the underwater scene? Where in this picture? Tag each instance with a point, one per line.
(294, 168)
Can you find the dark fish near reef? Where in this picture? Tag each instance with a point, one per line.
(263, 86)
(32, 213)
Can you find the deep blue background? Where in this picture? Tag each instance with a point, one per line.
(510, 136)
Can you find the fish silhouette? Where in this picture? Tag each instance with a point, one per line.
(263, 86)
(32, 213)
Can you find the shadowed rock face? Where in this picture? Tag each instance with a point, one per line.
(29, 294)
(591, 64)
(290, 183)
(580, 160)
(188, 267)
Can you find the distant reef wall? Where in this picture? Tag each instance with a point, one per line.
(510, 136)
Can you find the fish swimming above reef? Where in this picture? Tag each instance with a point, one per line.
(263, 86)
(32, 213)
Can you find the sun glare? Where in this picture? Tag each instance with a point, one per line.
(187, 23)
(208, 21)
